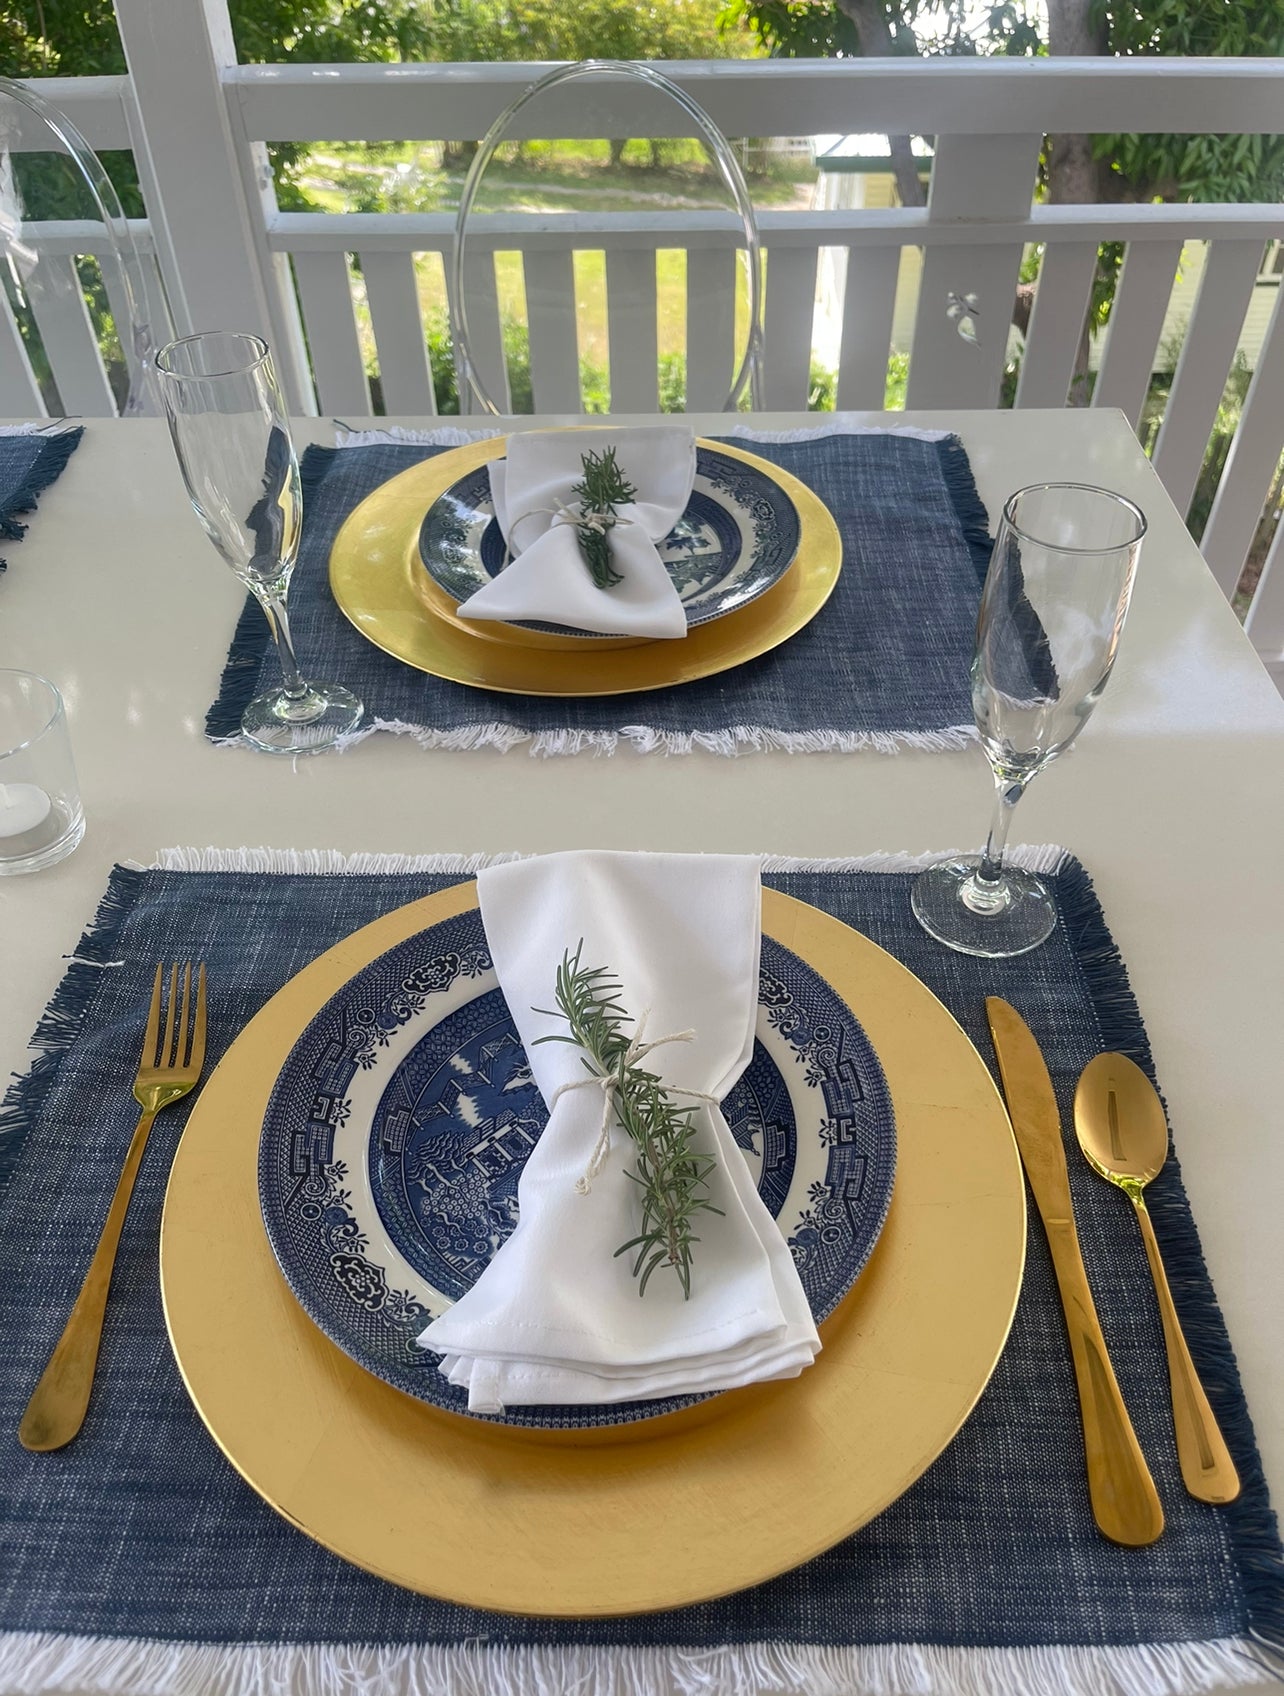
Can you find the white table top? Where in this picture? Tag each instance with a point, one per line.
(1174, 797)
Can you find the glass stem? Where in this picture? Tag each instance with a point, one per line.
(986, 890)
(273, 606)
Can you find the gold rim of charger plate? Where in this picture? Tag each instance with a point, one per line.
(686, 1511)
(381, 587)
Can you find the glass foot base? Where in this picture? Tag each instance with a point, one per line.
(52, 840)
(278, 724)
(950, 906)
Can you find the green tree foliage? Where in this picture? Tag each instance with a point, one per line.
(1137, 167)
(1201, 167)
(78, 38)
(489, 30)
(823, 29)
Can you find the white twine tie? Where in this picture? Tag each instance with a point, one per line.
(609, 1084)
(592, 519)
(563, 514)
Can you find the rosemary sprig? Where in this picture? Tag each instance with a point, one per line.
(671, 1175)
(599, 491)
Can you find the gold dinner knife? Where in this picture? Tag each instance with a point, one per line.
(1125, 1502)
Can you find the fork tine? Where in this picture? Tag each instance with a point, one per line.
(184, 1041)
(153, 1022)
(167, 1049)
(197, 1057)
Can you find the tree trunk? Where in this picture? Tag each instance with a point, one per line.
(876, 42)
(1076, 28)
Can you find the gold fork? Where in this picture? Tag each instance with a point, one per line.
(59, 1401)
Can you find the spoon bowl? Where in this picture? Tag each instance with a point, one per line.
(1122, 1130)
(1119, 1121)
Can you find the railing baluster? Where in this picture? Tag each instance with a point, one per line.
(1250, 466)
(1061, 300)
(1230, 270)
(70, 343)
(1265, 621)
(188, 100)
(195, 163)
(550, 313)
(869, 302)
(392, 291)
(156, 301)
(19, 392)
(632, 330)
(711, 325)
(1136, 323)
(119, 305)
(485, 328)
(975, 180)
(787, 327)
(325, 294)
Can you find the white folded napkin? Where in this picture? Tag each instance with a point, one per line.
(556, 1318)
(547, 579)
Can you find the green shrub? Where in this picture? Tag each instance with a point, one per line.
(897, 382)
(594, 380)
(441, 359)
(673, 382)
(822, 388)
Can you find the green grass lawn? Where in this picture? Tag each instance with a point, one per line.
(536, 176)
(557, 176)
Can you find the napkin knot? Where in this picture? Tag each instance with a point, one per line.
(609, 1084)
(602, 523)
(582, 518)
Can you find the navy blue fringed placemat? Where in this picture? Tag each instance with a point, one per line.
(28, 465)
(885, 664)
(123, 1554)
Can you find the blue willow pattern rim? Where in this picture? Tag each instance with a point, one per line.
(372, 1299)
(739, 535)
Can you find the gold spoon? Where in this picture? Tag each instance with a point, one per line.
(1119, 1120)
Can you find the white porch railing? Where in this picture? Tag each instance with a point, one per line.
(199, 124)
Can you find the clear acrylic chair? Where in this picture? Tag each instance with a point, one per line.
(548, 277)
(57, 205)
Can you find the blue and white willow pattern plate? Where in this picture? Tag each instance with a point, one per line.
(738, 537)
(401, 1120)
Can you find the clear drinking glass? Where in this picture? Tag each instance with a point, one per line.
(1052, 612)
(232, 438)
(41, 819)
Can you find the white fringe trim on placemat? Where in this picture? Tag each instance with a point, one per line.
(329, 862)
(452, 436)
(443, 436)
(838, 424)
(645, 739)
(39, 1664)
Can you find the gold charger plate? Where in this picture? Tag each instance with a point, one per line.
(382, 588)
(690, 1509)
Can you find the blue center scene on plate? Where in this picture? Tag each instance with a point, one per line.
(455, 1126)
(737, 537)
(396, 1134)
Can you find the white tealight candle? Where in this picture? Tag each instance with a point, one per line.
(23, 806)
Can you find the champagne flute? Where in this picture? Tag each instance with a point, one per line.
(232, 438)
(1052, 611)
